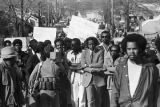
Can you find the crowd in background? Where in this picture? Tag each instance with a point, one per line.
(96, 73)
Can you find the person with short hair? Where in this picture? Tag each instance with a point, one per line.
(135, 81)
(48, 47)
(10, 85)
(74, 58)
(67, 41)
(33, 59)
(32, 47)
(112, 60)
(106, 40)
(21, 60)
(7, 43)
(61, 60)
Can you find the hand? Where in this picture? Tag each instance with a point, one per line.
(108, 73)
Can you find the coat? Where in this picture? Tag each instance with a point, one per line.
(10, 87)
(146, 91)
(97, 62)
(31, 63)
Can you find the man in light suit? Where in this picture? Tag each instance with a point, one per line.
(93, 79)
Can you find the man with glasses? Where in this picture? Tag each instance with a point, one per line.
(105, 38)
(112, 60)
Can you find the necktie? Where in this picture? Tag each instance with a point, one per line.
(91, 56)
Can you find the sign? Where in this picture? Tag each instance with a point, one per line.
(151, 26)
(65, 30)
(82, 28)
(25, 42)
(117, 40)
(44, 33)
(150, 36)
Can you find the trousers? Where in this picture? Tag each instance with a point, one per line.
(97, 96)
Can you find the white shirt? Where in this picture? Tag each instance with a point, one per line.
(134, 72)
(75, 77)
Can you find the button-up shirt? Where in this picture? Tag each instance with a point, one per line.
(76, 59)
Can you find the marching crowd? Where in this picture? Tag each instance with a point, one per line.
(96, 73)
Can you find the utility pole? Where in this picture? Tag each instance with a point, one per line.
(127, 15)
(112, 16)
(40, 13)
(22, 20)
(56, 6)
(48, 14)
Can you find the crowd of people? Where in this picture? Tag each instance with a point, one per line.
(96, 73)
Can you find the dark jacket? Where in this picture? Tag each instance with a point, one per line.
(31, 63)
(10, 88)
(146, 91)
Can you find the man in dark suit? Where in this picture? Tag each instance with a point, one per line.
(93, 80)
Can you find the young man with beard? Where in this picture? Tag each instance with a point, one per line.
(135, 80)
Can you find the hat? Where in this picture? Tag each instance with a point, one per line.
(7, 52)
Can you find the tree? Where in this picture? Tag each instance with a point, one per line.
(5, 25)
(19, 12)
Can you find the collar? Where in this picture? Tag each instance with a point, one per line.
(90, 51)
(106, 47)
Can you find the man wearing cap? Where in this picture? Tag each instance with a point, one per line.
(10, 94)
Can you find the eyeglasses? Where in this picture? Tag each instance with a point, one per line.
(103, 36)
(114, 50)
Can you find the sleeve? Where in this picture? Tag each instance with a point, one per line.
(156, 87)
(100, 61)
(83, 61)
(29, 65)
(115, 88)
(33, 75)
(94, 66)
(1, 89)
